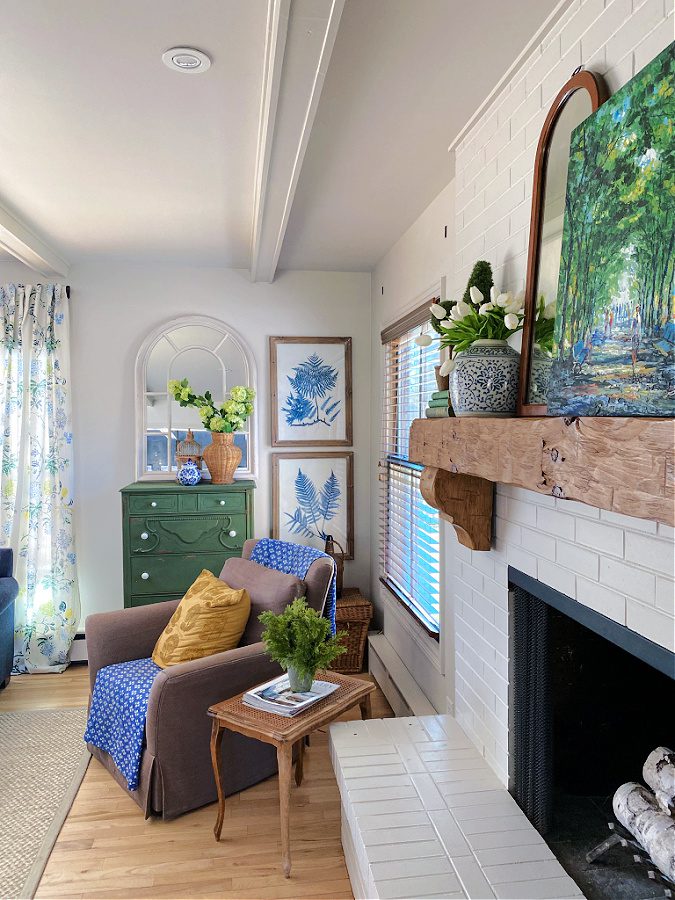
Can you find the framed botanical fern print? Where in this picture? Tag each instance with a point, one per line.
(313, 497)
(311, 391)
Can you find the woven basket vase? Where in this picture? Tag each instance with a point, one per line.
(222, 456)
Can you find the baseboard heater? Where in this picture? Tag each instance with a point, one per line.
(403, 693)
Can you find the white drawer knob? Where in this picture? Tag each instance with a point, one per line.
(222, 503)
(232, 533)
(145, 576)
(145, 536)
(153, 504)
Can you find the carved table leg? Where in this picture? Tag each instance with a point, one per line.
(366, 709)
(285, 761)
(216, 761)
(299, 761)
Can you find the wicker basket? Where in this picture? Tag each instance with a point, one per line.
(352, 614)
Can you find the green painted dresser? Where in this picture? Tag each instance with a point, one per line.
(171, 533)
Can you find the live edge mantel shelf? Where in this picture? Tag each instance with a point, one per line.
(622, 465)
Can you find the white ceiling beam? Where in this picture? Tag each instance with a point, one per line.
(22, 243)
(296, 61)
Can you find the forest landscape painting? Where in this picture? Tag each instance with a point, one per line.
(615, 320)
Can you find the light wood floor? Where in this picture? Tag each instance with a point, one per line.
(107, 850)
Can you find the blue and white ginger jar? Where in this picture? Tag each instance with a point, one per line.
(484, 381)
(189, 474)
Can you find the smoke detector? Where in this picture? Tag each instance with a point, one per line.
(186, 59)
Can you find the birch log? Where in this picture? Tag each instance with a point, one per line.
(638, 810)
(659, 773)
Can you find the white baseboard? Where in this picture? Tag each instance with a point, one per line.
(403, 693)
(78, 651)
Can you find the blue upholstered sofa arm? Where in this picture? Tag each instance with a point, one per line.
(8, 585)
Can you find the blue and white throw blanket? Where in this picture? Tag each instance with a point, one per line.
(294, 559)
(116, 721)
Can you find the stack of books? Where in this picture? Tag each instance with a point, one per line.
(277, 697)
(439, 405)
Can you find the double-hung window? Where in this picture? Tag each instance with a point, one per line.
(409, 527)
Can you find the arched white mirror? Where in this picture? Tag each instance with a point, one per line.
(213, 358)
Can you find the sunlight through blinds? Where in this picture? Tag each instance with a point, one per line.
(409, 527)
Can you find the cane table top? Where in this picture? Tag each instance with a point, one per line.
(273, 729)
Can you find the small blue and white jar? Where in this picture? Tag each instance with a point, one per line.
(189, 474)
(484, 381)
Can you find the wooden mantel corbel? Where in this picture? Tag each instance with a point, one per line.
(623, 465)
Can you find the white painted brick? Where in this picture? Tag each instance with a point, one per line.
(498, 141)
(465, 196)
(497, 188)
(501, 665)
(503, 205)
(497, 233)
(527, 110)
(523, 167)
(484, 562)
(619, 73)
(643, 20)
(507, 531)
(615, 13)
(608, 603)
(473, 618)
(556, 577)
(497, 638)
(497, 591)
(539, 543)
(520, 216)
(650, 552)
(472, 576)
(474, 250)
(539, 70)
(666, 531)
(508, 152)
(655, 42)
(483, 605)
(629, 522)
(589, 12)
(499, 685)
(534, 126)
(524, 513)
(600, 537)
(555, 522)
(665, 595)
(583, 562)
(572, 507)
(628, 579)
(509, 250)
(651, 622)
(522, 560)
(485, 176)
(560, 73)
(463, 590)
(501, 619)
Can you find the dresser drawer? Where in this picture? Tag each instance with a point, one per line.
(186, 534)
(172, 575)
(226, 502)
(149, 503)
(146, 599)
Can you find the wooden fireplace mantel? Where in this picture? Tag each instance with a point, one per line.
(623, 465)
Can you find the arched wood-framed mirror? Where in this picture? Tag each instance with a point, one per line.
(578, 98)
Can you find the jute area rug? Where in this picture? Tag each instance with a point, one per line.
(42, 763)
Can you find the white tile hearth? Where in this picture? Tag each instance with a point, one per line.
(423, 815)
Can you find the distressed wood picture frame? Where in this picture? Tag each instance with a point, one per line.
(312, 496)
(311, 391)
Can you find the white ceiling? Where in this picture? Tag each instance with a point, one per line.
(405, 76)
(107, 153)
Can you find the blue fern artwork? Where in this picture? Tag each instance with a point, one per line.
(315, 507)
(310, 401)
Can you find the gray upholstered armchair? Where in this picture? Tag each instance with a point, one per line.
(176, 773)
(8, 591)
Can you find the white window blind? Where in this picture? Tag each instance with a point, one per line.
(409, 527)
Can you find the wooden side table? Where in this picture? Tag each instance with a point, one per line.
(283, 733)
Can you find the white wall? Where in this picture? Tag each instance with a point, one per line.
(411, 270)
(619, 566)
(113, 307)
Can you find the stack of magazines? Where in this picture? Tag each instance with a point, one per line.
(277, 697)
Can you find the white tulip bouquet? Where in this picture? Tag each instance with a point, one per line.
(495, 319)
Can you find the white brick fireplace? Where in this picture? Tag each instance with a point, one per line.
(621, 567)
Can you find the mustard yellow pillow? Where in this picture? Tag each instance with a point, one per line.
(209, 619)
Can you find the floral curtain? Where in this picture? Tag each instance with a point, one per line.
(36, 491)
